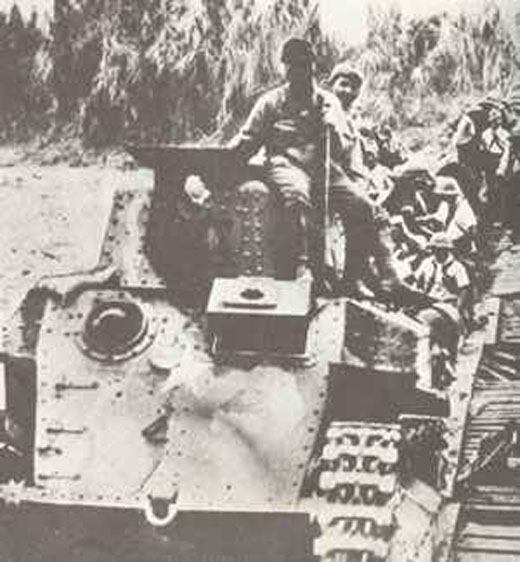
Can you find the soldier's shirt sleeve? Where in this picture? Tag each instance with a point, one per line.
(253, 133)
(460, 276)
(465, 131)
(345, 136)
(342, 125)
(505, 158)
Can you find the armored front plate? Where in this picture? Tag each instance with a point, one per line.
(234, 435)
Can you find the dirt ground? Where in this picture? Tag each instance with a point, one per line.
(52, 219)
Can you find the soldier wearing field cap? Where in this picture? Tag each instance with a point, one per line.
(346, 81)
(446, 279)
(290, 122)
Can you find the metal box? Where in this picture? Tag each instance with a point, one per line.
(259, 314)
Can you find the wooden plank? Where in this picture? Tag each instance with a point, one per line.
(495, 498)
(498, 487)
(472, 529)
(482, 389)
(484, 386)
(495, 393)
(505, 356)
(492, 308)
(506, 390)
(501, 367)
(508, 385)
(484, 426)
(467, 364)
(513, 509)
(484, 557)
(490, 544)
(490, 374)
(500, 411)
(480, 423)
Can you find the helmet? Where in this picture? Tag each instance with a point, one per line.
(297, 51)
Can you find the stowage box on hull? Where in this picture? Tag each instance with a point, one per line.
(259, 314)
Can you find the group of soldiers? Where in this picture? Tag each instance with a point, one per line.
(310, 143)
(396, 246)
(486, 144)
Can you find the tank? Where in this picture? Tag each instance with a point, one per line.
(189, 400)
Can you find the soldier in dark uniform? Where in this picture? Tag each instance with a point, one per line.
(289, 121)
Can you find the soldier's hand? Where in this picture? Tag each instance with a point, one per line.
(196, 190)
(328, 115)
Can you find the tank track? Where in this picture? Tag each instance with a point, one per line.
(356, 483)
(488, 526)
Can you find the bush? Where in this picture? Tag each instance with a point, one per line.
(189, 70)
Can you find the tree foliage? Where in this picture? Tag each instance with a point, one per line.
(188, 70)
(20, 95)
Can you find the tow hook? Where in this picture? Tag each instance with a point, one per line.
(161, 511)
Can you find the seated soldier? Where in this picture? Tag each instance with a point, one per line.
(461, 223)
(390, 152)
(380, 183)
(434, 211)
(289, 122)
(446, 279)
(345, 82)
(417, 211)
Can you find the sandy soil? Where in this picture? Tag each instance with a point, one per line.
(52, 220)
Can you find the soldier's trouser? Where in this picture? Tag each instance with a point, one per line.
(367, 232)
(293, 187)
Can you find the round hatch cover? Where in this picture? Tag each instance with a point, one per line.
(113, 329)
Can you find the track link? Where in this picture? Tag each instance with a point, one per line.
(488, 528)
(357, 479)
